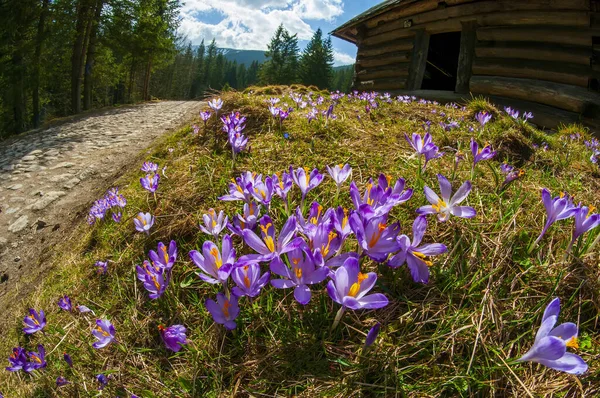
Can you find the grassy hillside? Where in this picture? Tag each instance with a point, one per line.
(457, 335)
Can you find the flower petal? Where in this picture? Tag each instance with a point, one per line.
(302, 294)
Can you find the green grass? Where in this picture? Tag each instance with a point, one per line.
(456, 336)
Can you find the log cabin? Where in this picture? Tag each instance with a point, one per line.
(535, 55)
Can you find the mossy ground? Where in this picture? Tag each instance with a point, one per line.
(458, 335)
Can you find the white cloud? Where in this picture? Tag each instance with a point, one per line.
(340, 58)
(250, 24)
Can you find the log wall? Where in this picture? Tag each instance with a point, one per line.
(543, 51)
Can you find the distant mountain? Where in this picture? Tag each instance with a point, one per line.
(243, 56)
(343, 67)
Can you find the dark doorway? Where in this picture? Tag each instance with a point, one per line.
(442, 62)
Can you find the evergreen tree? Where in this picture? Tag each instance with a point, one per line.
(316, 64)
(272, 70)
(197, 81)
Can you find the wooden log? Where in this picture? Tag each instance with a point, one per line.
(418, 60)
(402, 11)
(574, 74)
(382, 84)
(397, 45)
(534, 51)
(387, 60)
(466, 54)
(563, 96)
(542, 34)
(562, 18)
(383, 72)
(392, 36)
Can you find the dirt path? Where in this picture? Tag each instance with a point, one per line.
(48, 176)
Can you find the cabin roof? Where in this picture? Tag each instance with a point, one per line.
(344, 32)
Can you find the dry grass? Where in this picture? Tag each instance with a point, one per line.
(456, 336)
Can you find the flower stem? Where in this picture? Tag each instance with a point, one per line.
(338, 317)
(568, 251)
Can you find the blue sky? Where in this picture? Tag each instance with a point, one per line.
(249, 24)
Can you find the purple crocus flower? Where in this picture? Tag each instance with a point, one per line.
(216, 265)
(65, 303)
(349, 287)
(17, 360)
(585, 220)
(150, 182)
(263, 191)
(420, 145)
(550, 345)
(173, 336)
(102, 381)
(483, 117)
(448, 203)
(268, 245)
(379, 198)
(154, 278)
(224, 310)
(282, 185)
(306, 181)
(205, 115)
(149, 167)
(37, 360)
(102, 267)
(247, 220)
(117, 216)
(480, 154)
(313, 114)
(527, 116)
(68, 359)
(511, 173)
(83, 309)
(274, 111)
(104, 332)
(34, 322)
(215, 104)
(316, 217)
(61, 381)
(372, 335)
(512, 112)
(143, 222)
(339, 173)
(238, 142)
(213, 223)
(415, 256)
(374, 236)
(340, 218)
(304, 272)
(558, 208)
(163, 257)
(248, 279)
(432, 153)
(241, 187)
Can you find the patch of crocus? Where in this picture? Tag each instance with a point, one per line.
(480, 154)
(375, 237)
(213, 223)
(154, 278)
(65, 303)
(102, 267)
(61, 381)
(558, 208)
(379, 198)
(225, 310)
(527, 116)
(269, 245)
(511, 112)
(306, 181)
(316, 216)
(215, 265)
(34, 322)
(483, 117)
(304, 271)
(263, 191)
(143, 222)
(241, 187)
(339, 173)
(372, 335)
(416, 255)
(164, 257)
(104, 332)
(102, 381)
(37, 360)
(325, 244)
(149, 167)
(585, 220)
(349, 287)
(448, 204)
(17, 360)
(150, 182)
(248, 279)
(551, 343)
(215, 104)
(68, 359)
(173, 336)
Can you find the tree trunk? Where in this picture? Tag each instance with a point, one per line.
(35, 78)
(18, 92)
(146, 95)
(77, 55)
(90, 58)
(131, 80)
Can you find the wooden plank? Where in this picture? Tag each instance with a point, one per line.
(418, 60)
(563, 96)
(397, 45)
(394, 58)
(542, 34)
(466, 54)
(383, 72)
(574, 74)
(402, 11)
(534, 51)
(382, 84)
(562, 18)
(387, 37)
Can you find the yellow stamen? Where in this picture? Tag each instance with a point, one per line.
(142, 219)
(573, 342)
(226, 306)
(439, 206)
(590, 211)
(34, 320)
(356, 286)
(423, 258)
(369, 200)
(218, 260)
(99, 329)
(298, 272)
(389, 179)
(165, 254)
(325, 248)
(270, 244)
(376, 236)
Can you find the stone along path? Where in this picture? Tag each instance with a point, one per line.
(48, 177)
